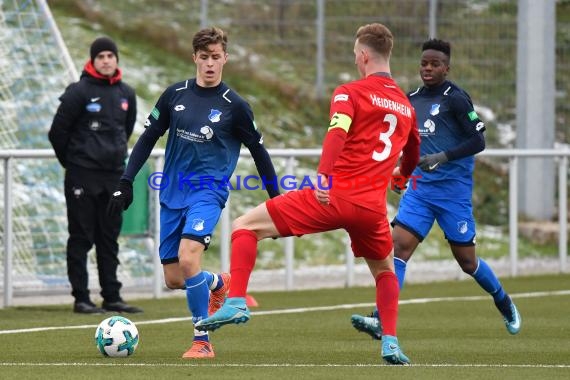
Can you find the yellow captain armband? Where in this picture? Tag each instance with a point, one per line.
(340, 120)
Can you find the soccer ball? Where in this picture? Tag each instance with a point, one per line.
(117, 337)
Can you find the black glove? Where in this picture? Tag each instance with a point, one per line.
(121, 198)
(397, 185)
(431, 162)
(398, 190)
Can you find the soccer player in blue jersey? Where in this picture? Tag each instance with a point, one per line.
(451, 134)
(206, 122)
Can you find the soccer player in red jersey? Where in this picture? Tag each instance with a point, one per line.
(371, 124)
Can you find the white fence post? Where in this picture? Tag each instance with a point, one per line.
(349, 263)
(289, 242)
(513, 214)
(8, 233)
(563, 212)
(225, 237)
(158, 276)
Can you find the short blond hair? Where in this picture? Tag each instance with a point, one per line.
(377, 37)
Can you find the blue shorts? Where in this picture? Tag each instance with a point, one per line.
(196, 222)
(454, 216)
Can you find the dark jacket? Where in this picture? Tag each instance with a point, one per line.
(93, 123)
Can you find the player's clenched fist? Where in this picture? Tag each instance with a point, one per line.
(121, 198)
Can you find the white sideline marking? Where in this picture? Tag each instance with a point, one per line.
(306, 310)
(281, 365)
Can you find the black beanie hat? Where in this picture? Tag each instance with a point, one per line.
(103, 44)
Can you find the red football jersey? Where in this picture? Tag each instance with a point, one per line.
(383, 124)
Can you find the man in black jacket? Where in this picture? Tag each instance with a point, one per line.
(89, 134)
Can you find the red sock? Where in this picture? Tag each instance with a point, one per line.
(387, 293)
(244, 253)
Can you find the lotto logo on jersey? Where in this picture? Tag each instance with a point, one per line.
(480, 126)
(340, 98)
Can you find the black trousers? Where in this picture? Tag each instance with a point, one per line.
(87, 194)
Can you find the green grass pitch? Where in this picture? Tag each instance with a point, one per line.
(450, 330)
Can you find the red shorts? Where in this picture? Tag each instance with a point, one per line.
(299, 212)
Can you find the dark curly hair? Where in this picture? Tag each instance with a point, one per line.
(439, 45)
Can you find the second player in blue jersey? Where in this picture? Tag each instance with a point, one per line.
(451, 134)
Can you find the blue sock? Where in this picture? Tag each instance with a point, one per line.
(400, 267)
(213, 280)
(210, 277)
(197, 296)
(487, 280)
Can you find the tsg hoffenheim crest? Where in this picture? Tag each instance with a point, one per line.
(434, 109)
(214, 115)
(198, 224)
(462, 227)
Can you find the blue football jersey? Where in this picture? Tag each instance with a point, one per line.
(445, 118)
(206, 127)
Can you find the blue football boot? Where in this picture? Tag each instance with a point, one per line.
(370, 324)
(234, 310)
(391, 351)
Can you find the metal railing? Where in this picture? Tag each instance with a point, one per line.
(513, 155)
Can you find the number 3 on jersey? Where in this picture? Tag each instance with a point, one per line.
(392, 120)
